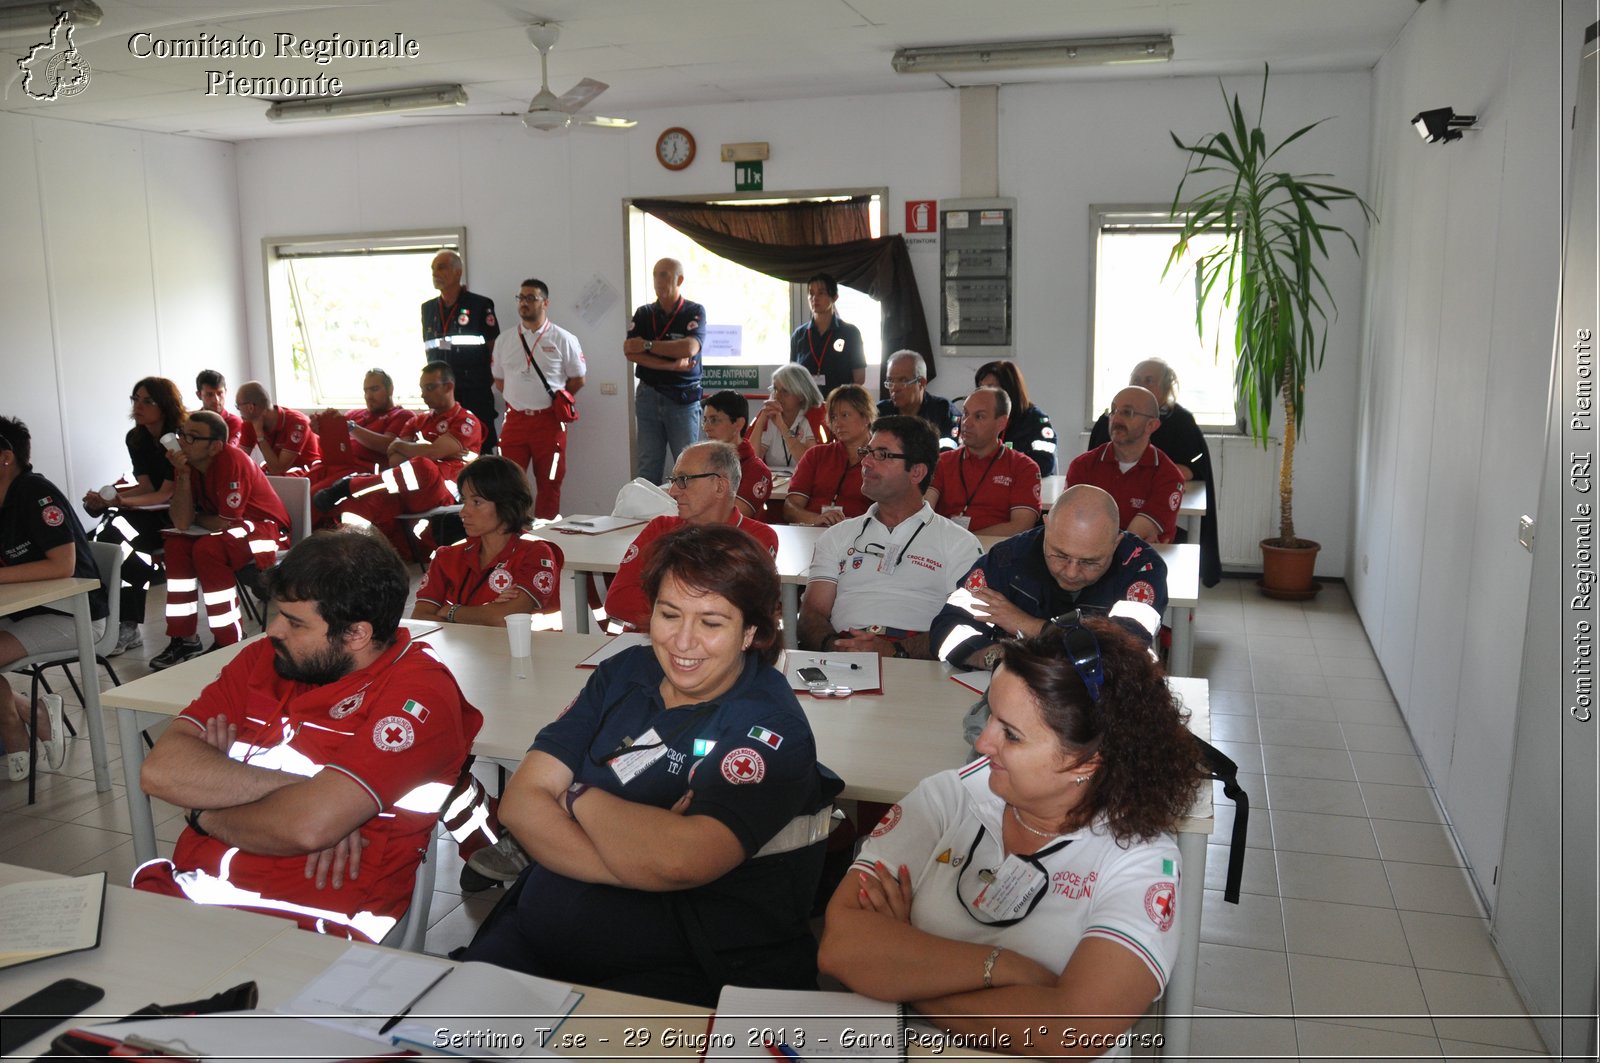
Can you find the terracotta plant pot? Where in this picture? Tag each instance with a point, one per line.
(1287, 571)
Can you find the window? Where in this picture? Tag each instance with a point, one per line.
(1139, 314)
(764, 310)
(339, 306)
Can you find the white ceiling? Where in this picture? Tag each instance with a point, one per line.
(663, 53)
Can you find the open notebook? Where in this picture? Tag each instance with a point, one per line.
(816, 1025)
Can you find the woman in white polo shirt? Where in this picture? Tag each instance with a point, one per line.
(1042, 879)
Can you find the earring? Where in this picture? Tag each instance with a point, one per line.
(1081, 779)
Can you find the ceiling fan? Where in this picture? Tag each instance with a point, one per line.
(547, 111)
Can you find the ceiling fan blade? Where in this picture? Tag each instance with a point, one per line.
(601, 122)
(577, 97)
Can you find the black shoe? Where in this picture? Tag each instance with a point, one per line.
(177, 651)
(332, 495)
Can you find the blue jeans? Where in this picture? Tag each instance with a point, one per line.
(665, 429)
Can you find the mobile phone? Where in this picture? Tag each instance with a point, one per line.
(44, 1011)
(813, 677)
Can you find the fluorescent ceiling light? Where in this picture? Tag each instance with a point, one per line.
(350, 106)
(1017, 55)
(16, 19)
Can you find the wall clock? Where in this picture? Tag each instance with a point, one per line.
(675, 148)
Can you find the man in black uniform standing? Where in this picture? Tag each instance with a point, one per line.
(459, 327)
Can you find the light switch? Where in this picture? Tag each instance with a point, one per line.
(1525, 532)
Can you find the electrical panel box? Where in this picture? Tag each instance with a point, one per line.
(976, 287)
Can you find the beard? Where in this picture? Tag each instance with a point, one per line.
(318, 669)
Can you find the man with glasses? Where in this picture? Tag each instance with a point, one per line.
(727, 414)
(225, 516)
(984, 485)
(288, 445)
(907, 379)
(530, 365)
(211, 388)
(704, 483)
(877, 580)
(1080, 559)
(422, 470)
(459, 328)
(1146, 484)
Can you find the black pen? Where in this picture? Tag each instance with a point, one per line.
(386, 1027)
(853, 666)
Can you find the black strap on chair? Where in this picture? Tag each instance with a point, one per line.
(1222, 768)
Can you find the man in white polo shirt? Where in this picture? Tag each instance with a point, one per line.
(532, 365)
(877, 580)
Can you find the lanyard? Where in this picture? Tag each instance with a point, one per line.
(811, 332)
(627, 746)
(961, 468)
(838, 488)
(1035, 859)
(529, 350)
(670, 317)
(446, 317)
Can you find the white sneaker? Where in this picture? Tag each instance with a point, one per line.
(129, 637)
(55, 747)
(17, 765)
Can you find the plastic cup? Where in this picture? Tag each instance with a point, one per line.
(109, 492)
(170, 441)
(519, 632)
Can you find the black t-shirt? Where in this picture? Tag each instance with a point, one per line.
(149, 457)
(34, 519)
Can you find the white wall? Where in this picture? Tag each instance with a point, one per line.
(1461, 293)
(122, 261)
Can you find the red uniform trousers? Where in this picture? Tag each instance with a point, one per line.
(540, 439)
(204, 566)
(414, 486)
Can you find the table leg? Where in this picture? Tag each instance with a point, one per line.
(1178, 1004)
(575, 603)
(139, 817)
(91, 690)
(791, 615)
(1180, 660)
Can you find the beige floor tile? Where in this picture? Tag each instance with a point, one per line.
(1342, 879)
(1378, 738)
(1256, 922)
(1416, 843)
(1304, 762)
(1331, 1041)
(1258, 830)
(1347, 931)
(1452, 943)
(1260, 868)
(1333, 797)
(1351, 668)
(1311, 832)
(62, 849)
(1432, 888)
(1318, 734)
(16, 829)
(1293, 707)
(1388, 801)
(1229, 727)
(1272, 663)
(1236, 979)
(1479, 1009)
(1237, 679)
(1467, 1052)
(1245, 754)
(1290, 683)
(1393, 768)
(1273, 622)
(1358, 993)
(1360, 710)
(1225, 1035)
(1366, 690)
(1232, 702)
(118, 863)
(1355, 648)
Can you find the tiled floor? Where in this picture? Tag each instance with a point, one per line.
(1358, 934)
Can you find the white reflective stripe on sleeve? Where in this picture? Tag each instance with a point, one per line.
(408, 473)
(284, 758)
(1043, 446)
(451, 486)
(1140, 613)
(203, 888)
(237, 533)
(959, 634)
(425, 798)
(120, 523)
(182, 584)
(381, 485)
(355, 520)
(218, 597)
(965, 600)
(182, 608)
(263, 546)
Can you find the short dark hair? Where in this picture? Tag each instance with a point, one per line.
(15, 437)
(209, 378)
(446, 374)
(216, 427)
(535, 282)
(168, 398)
(501, 482)
(1150, 763)
(351, 575)
(381, 374)
(721, 559)
(828, 282)
(731, 405)
(919, 442)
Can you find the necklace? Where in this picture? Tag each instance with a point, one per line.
(1031, 830)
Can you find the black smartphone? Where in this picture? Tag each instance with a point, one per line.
(44, 1011)
(813, 677)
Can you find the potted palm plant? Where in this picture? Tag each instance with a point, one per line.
(1274, 236)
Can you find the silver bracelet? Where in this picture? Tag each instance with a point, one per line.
(988, 967)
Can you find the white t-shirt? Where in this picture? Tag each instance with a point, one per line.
(897, 578)
(774, 444)
(1096, 887)
(555, 350)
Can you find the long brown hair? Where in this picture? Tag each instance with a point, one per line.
(168, 398)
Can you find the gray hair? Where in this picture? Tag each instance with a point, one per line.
(917, 361)
(796, 381)
(722, 459)
(1169, 377)
(455, 257)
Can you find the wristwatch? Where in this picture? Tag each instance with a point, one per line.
(193, 819)
(575, 791)
(648, 344)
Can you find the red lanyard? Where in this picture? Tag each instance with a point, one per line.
(670, 318)
(536, 340)
(445, 318)
(816, 359)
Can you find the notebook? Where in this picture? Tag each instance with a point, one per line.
(816, 1025)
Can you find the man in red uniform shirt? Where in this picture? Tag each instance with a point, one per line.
(211, 388)
(315, 765)
(704, 483)
(287, 443)
(983, 485)
(1146, 484)
(216, 488)
(725, 419)
(363, 436)
(422, 472)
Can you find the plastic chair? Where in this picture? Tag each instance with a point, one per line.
(295, 493)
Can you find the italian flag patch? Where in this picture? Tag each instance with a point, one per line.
(768, 738)
(1168, 867)
(416, 710)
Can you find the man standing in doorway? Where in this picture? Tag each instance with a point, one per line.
(827, 346)
(459, 327)
(529, 365)
(664, 346)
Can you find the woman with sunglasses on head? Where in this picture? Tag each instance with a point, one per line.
(675, 813)
(497, 569)
(826, 486)
(1042, 878)
(157, 410)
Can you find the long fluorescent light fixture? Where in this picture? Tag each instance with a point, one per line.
(39, 18)
(366, 103)
(1018, 55)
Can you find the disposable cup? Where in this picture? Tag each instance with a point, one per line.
(109, 492)
(170, 441)
(519, 632)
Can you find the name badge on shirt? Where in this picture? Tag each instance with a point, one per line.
(629, 766)
(1015, 884)
(820, 380)
(961, 521)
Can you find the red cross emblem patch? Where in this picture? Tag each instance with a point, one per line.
(888, 823)
(500, 581)
(53, 516)
(392, 734)
(1142, 592)
(544, 581)
(743, 765)
(1160, 904)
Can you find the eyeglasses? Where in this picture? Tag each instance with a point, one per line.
(714, 419)
(879, 453)
(434, 385)
(142, 400)
(1068, 561)
(681, 482)
(1129, 411)
(190, 437)
(902, 382)
(530, 298)
(1084, 649)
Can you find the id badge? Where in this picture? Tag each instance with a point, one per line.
(1015, 883)
(962, 521)
(629, 766)
(821, 381)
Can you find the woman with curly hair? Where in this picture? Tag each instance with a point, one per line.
(1041, 879)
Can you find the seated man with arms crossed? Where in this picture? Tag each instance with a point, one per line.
(877, 580)
(288, 445)
(315, 765)
(704, 482)
(363, 436)
(984, 485)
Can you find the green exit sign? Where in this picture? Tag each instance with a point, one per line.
(747, 176)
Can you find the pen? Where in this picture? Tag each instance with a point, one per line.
(853, 666)
(386, 1027)
(581, 523)
(783, 1052)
